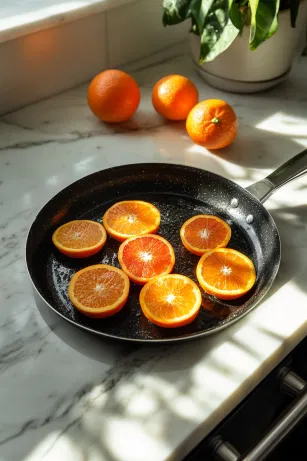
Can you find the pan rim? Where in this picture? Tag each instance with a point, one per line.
(190, 336)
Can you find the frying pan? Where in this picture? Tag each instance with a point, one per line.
(179, 192)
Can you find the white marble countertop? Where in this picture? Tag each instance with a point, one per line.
(67, 395)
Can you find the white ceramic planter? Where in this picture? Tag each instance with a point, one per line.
(240, 70)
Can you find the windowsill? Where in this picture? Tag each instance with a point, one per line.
(34, 15)
(49, 46)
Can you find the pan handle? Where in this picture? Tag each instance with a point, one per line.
(292, 169)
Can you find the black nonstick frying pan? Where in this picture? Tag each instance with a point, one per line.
(179, 192)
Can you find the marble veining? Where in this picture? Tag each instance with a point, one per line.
(67, 395)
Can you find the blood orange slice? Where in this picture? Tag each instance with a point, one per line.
(145, 257)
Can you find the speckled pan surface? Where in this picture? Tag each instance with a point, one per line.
(179, 192)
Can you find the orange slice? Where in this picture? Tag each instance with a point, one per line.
(145, 257)
(130, 218)
(225, 273)
(170, 301)
(80, 238)
(99, 291)
(204, 232)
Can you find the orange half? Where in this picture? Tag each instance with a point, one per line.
(170, 301)
(204, 232)
(99, 291)
(145, 257)
(80, 238)
(130, 218)
(225, 273)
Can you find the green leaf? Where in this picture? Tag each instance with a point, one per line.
(294, 6)
(273, 28)
(218, 34)
(199, 10)
(235, 14)
(194, 28)
(175, 11)
(197, 21)
(263, 21)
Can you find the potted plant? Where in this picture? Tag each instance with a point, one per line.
(241, 45)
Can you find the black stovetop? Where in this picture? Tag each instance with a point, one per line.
(257, 413)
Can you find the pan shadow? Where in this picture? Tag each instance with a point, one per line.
(88, 344)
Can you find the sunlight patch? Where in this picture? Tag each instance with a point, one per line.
(130, 431)
(56, 447)
(284, 124)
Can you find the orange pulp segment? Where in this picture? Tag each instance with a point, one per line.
(146, 256)
(170, 301)
(204, 232)
(225, 273)
(130, 218)
(99, 291)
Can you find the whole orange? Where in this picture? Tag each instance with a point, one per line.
(174, 96)
(113, 96)
(212, 123)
